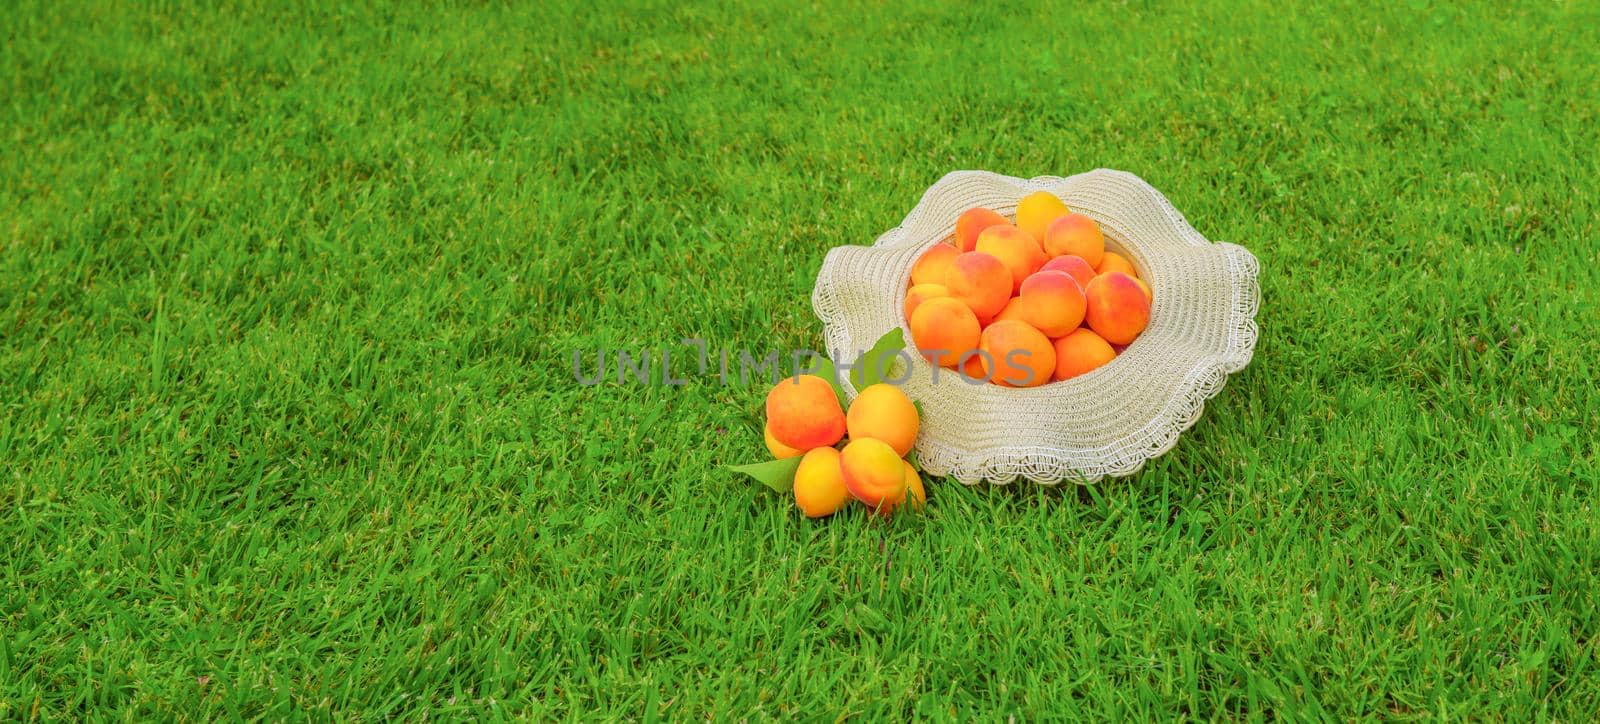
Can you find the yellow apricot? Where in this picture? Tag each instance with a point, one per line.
(819, 483)
(883, 412)
(872, 472)
(778, 449)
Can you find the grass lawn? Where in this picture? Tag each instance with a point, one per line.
(288, 422)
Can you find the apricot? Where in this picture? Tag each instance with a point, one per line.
(1037, 210)
(1020, 356)
(930, 267)
(1074, 265)
(1080, 352)
(779, 450)
(1146, 287)
(915, 494)
(1014, 248)
(981, 282)
(1118, 309)
(972, 367)
(1113, 261)
(972, 222)
(819, 488)
(804, 413)
(944, 323)
(1051, 302)
(873, 473)
(922, 293)
(1077, 235)
(883, 412)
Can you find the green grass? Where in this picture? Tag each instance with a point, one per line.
(288, 423)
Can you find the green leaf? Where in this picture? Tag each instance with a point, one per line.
(775, 474)
(872, 366)
(911, 457)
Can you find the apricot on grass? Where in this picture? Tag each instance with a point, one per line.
(819, 483)
(1080, 352)
(1037, 210)
(1077, 235)
(1051, 302)
(1014, 248)
(972, 222)
(779, 450)
(884, 413)
(981, 282)
(944, 323)
(1115, 262)
(1076, 266)
(873, 473)
(1118, 309)
(921, 293)
(931, 266)
(804, 413)
(915, 494)
(1019, 355)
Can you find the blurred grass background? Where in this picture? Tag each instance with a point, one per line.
(288, 296)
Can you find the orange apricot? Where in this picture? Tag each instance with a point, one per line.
(931, 266)
(972, 367)
(1118, 309)
(1080, 352)
(972, 222)
(873, 473)
(1113, 261)
(1051, 302)
(1146, 287)
(1019, 355)
(981, 282)
(922, 293)
(819, 488)
(884, 413)
(1014, 248)
(915, 494)
(1077, 235)
(943, 329)
(1037, 210)
(803, 413)
(1073, 265)
(779, 450)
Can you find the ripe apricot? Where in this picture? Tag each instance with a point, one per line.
(922, 293)
(1080, 352)
(1146, 287)
(803, 413)
(1077, 235)
(944, 323)
(1014, 248)
(779, 450)
(1037, 210)
(915, 494)
(883, 412)
(873, 473)
(931, 266)
(1019, 355)
(1118, 309)
(1051, 302)
(1073, 265)
(1113, 261)
(819, 483)
(981, 282)
(972, 222)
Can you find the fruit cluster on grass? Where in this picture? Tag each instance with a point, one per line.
(804, 418)
(1021, 304)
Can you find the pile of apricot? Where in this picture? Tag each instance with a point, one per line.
(804, 418)
(1025, 303)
